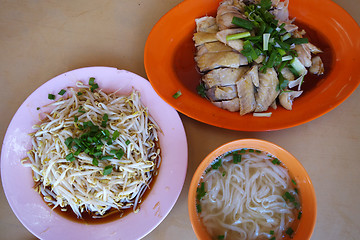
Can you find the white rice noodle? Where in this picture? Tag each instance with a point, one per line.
(244, 200)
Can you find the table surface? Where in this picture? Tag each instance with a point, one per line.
(42, 39)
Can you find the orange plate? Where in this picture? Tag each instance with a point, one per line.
(296, 170)
(170, 66)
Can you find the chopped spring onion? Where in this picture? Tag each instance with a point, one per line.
(201, 90)
(276, 161)
(299, 215)
(243, 23)
(221, 237)
(266, 114)
(286, 58)
(107, 170)
(272, 232)
(127, 142)
(297, 41)
(298, 66)
(200, 191)
(177, 94)
(236, 157)
(198, 208)
(216, 164)
(51, 96)
(266, 37)
(62, 92)
(285, 36)
(289, 231)
(238, 36)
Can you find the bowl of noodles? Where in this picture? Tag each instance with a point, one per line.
(251, 189)
(93, 153)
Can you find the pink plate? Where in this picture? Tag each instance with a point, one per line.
(27, 204)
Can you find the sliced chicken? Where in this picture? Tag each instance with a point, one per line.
(223, 76)
(221, 93)
(287, 74)
(206, 24)
(281, 11)
(204, 37)
(212, 47)
(304, 54)
(286, 98)
(230, 105)
(246, 90)
(235, 44)
(225, 13)
(209, 61)
(317, 66)
(313, 48)
(266, 93)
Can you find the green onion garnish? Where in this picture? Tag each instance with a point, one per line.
(266, 37)
(201, 90)
(38, 108)
(107, 170)
(79, 93)
(243, 23)
(95, 162)
(237, 36)
(216, 164)
(276, 161)
(70, 157)
(115, 135)
(236, 157)
(198, 208)
(62, 92)
(220, 237)
(51, 96)
(272, 232)
(293, 181)
(299, 215)
(177, 94)
(127, 142)
(289, 231)
(200, 191)
(91, 81)
(223, 173)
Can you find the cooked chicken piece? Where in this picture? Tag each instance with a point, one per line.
(313, 48)
(230, 105)
(209, 61)
(254, 75)
(304, 54)
(235, 44)
(223, 76)
(204, 37)
(237, 3)
(212, 47)
(281, 11)
(206, 24)
(221, 93)
(259, 59)
(274, 105)
(289, 27)
(286, 98)
(287, 74)
(225, 21)
(266, 93)
(317, 66)
(246, 90)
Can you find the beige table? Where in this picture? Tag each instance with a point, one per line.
(41, 39)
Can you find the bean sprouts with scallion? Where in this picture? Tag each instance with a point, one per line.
(94, 151)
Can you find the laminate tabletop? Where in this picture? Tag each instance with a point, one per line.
(42, 39)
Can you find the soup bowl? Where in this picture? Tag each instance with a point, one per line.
(296, 171)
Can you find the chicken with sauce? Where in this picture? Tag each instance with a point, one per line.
(251, 56)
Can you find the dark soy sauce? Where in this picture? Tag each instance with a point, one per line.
(327, 57)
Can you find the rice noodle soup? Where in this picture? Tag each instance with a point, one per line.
(248, 194)
(94, 153)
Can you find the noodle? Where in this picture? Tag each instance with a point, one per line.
(94, 152)
(245, 195)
